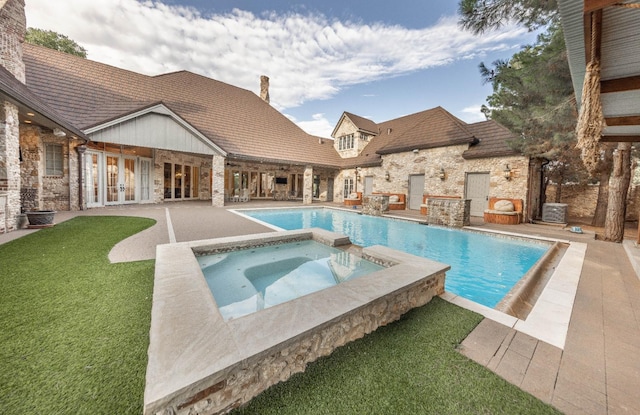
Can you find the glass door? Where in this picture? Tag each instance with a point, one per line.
(113, 185)
(120, 179)
(128, 179)
(93, 168)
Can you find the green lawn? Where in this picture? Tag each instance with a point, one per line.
(75, 331)
(408, 367)
(75, 328)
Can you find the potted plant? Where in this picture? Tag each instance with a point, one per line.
(40, 218)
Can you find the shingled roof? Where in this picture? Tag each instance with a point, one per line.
(493, 141)
(89, 94)
(17, 93)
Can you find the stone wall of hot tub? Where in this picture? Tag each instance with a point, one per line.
(277, 365)
(192, 371)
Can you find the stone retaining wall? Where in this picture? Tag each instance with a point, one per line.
(582, 200)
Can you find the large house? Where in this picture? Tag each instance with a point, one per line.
(80, 134)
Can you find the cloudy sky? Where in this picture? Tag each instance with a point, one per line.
(379, 59)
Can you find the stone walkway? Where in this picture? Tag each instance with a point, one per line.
(597, 371)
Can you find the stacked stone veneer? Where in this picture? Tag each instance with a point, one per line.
(429, 162)
(42, 192)
(448, 212)
(12, 32)
(375, 205)
(246, 380)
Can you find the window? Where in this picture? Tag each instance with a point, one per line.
(346, 142)
(53, 160)
(348, 186)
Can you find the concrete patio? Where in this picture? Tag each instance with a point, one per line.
(597, 372)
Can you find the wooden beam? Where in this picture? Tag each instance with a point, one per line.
(592, 35)
(620, 85)
(620, 138)
(593, 5)
(623, 121)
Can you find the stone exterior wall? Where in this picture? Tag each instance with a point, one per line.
(346, 127)
(14, 26)
(454, 213)
(429, 162)
(42, 192)
(499, 186)
(12, 31)
(582, 200)
(10, 165)
(276, 365)
(217, 186)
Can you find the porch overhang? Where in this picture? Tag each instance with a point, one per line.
(154, 126)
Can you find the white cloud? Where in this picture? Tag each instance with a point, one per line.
(472, 114)
(318, 126)
(307, 56)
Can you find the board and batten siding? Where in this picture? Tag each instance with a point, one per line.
(153, 131)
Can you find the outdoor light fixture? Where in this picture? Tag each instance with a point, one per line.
(415, 151)
(386, 175)
(507, 172)
(442, 175)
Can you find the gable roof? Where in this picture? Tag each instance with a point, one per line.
(236, 120)
(427, 129)
(14, 91)
(493, 140)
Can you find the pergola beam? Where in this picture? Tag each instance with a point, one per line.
(620, 138)
(593, 5)
(623, 121)
(620, 85)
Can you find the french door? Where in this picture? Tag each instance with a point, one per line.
(115, 179)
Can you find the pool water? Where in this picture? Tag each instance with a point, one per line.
(248, 280)
(483, 268)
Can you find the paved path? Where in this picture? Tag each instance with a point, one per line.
(597, 372)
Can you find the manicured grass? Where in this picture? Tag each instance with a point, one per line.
(408, 367)
(74, 328)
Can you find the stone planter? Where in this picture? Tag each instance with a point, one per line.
(40, 218)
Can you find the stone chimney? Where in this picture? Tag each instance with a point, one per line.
(13, 26)
(264, 88)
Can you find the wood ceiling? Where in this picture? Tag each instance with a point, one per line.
(621, 28)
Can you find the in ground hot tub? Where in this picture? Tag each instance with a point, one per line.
(252, 279)
(200, 363)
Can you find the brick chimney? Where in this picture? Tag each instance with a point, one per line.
(13, 26)
(264, 88)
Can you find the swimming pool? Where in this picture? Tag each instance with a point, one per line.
(483, 268)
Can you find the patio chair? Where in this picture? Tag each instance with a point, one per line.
(244, 195)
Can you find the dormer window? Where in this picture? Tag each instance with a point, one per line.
(346, 142)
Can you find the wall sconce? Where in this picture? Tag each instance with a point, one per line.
(416, 151)
(442, 175)
(507, 172)
(386, 175)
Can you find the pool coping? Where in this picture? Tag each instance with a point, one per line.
(186, 361)
(549, 318)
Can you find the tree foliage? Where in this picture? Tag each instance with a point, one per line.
(533, 97)
(481, 15)
(55, 41)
